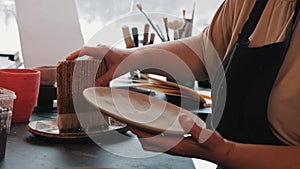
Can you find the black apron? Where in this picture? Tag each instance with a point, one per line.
(249, 77)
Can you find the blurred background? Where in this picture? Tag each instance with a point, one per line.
(96, 14)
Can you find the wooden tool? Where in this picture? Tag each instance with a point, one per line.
(166, 27)
(146, 34)
(152, 37)
(127, 37)
(169, 88)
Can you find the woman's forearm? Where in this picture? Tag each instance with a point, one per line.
(250, 156)
(180, 59)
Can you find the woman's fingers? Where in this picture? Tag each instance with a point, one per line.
(73, 55)
(96, 52)
(190, 126)
(197, 132)
(146, 139)
(105, 78)
(103, 81)
(156, 142)
(139, 133)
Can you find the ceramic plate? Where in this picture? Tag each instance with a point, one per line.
(139, 110)
(49, 128)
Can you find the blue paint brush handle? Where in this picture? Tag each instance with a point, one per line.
(152, 25)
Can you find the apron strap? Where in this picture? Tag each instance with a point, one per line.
(295, 19)
(254, 17)
(296, 11)
(296, 15)
(252, 21)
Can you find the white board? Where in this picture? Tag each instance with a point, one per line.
(49, 30)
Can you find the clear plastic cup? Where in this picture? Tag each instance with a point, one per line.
(7, 98)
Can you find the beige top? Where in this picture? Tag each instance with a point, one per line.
(284, 105)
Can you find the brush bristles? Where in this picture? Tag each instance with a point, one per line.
(139, 6)
(176, 24)
(165, 20)
(183, 13)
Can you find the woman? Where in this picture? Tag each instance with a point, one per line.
(260, 125)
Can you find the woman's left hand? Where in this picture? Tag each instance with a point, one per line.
(203, 143)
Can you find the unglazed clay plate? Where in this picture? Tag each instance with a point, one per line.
(49, 129)
(138, 110)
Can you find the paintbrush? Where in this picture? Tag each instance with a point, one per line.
(193, 12)
(135, 35)
(169, 88)
(152, 36)
(146, 34)
(127, 37)
(160, 31)
(166, 27)
(183, 29)
(175, 26)
(139, 6)
(188, 27)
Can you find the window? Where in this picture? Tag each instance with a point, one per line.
(9, 36)
(96, 14)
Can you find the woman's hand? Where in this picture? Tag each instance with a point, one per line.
(112, 56)
(204, 143)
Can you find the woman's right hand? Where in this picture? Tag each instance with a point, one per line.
(112, 56)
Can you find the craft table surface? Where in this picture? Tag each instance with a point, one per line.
(25, 151)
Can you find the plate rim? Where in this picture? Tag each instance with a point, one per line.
(137, 124)
(74, 135)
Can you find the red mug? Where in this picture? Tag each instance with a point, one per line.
(25, 83)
